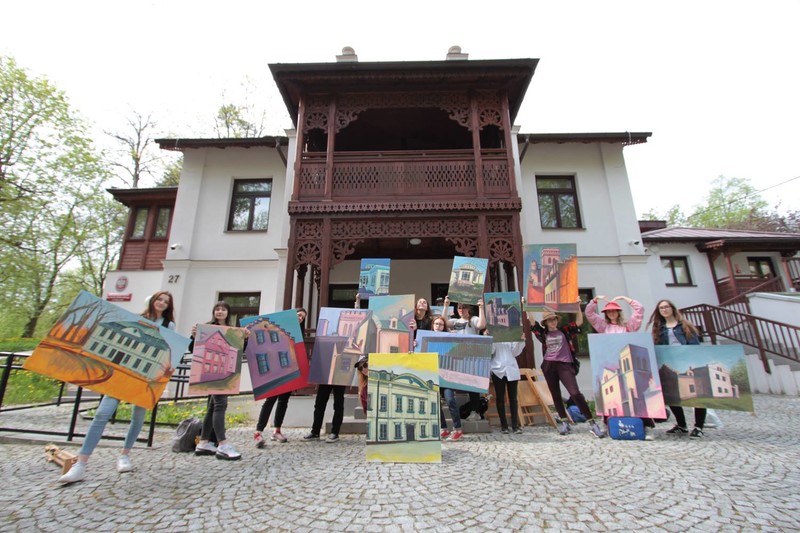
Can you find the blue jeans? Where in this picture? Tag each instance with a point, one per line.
(450, 399)
(104, 411)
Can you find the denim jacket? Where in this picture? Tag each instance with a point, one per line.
(663, 337)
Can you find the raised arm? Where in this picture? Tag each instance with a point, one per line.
(579, 314)
(635, 321)
(597, 322)
(481, 316)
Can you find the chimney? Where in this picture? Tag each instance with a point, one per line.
(454, 54)
(348, 56)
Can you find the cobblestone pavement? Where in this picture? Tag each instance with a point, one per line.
(743, 477)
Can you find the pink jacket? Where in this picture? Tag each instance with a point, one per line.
(601, 326)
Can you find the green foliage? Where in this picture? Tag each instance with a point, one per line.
(740, 377)
(26, 387)
(172, 413)
(172, 174)
(18, 344)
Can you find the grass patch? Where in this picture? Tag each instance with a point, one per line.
(18, 344)
(26, 387)
(172, 413)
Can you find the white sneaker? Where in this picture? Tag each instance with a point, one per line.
(228, 452)
(712, 420)
(76, 473)
(124, 464)
(649, 433)
(474, 417)
(205, 448)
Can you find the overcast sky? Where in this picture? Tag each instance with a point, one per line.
(716, 82)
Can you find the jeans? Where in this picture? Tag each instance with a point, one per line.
(450, 400)
(280, 412)
(215, 417)
(500, 385)
(105, 410)
(321, 402)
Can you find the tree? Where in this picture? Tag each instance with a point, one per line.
(241, 120)
(732, 203)
(172, 174)
(50, 194)
(136, 156)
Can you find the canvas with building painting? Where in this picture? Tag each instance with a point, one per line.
(216, 360)
(392, 316)
(343, 335)
(551, 277)
(467, 279)
(373, 278)
(276, 354)
(102, 347)
(464, 360)
(503, 311)
(403, 408)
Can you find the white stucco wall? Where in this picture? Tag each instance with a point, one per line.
(781, 307)
(702, 289)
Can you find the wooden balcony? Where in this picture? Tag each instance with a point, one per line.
(392, 175)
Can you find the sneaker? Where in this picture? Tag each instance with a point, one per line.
(696, 433)
(333, 437)
(444, 434)
(259, 440)
(596, 430)
(473, 417)
(311, 436)
(277, 436)
(76, 473)
(649, 433)
(228, 452)
(124, 464)
(518, 431)
(677, 430)
(455, 435)
(504, 431)
(205, 448)
(712, 420)
(563, 428)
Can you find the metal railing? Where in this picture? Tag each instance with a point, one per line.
(767, 336)
(13, 363)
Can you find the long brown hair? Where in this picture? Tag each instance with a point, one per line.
(659, 322)
(426, 314)
(169, 312)
(434, 318)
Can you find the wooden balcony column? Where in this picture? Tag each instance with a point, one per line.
(506, 120)
(298, 157)
(329, 151)
(475, 126)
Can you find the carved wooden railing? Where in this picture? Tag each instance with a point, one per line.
(741, 303)
(767, 336)
(404, 174)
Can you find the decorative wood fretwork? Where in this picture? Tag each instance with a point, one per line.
(348, 106)
(308, 208)
(465, 246)
(342, 248)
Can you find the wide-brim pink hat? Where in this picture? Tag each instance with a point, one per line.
(612, 306)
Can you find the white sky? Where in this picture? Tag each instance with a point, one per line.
(717, 82)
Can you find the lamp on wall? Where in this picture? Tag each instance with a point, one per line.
(414, 241)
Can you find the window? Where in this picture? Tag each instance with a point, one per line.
(677, 269)
(139, 223)
(421, 407)
(284, 359)
(146, 368)
(422, 431)
(398, 431)
(260, 336)
(434, 406)
(410, 405)
(382, 432)
(382, 407)
(243, 304)
(250, 205)
(398, 404)
(274, 337)
(761, 267)
(162, 223)
(263, 363)
(345, 364)
(558, 202)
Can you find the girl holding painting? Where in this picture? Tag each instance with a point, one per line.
(670, 328)
(161, 310)
(217, 403)
(439, 323)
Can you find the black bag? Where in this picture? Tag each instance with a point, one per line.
(576, 364)
(186, 435)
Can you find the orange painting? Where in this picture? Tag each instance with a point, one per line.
(102, 347)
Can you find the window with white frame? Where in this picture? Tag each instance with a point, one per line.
(558, 202)
(250, 205)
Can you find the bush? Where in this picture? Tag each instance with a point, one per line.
(172, 413)
(18, 344)
(26, 387)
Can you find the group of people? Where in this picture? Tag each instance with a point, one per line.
(559, 366)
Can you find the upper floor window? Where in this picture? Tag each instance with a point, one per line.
(558, 202)
(761, 267)
(162, 223)
(677, 270)
(250, 205)
(139, 223)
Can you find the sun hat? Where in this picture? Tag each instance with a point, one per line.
(548, 315)
(612, 306)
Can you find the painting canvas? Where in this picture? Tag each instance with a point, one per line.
(503, 312)
(276, 354)
(102, 347)
(705, 376)
(216, 360)
(467, 279)
(373, 279)
(391, 315)
(464, 360)
(343, 335)
(403, 408)
(624, 375)
(551, 277)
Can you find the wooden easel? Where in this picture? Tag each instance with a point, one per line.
(533, 397)
(59, 456)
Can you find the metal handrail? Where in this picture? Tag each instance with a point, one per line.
(767, 336)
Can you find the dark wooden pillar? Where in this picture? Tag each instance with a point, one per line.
(506, 121)
(475, 125)
(330, 149)
(298, 158)
(326, 262)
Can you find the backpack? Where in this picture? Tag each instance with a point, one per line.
(186, 435)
